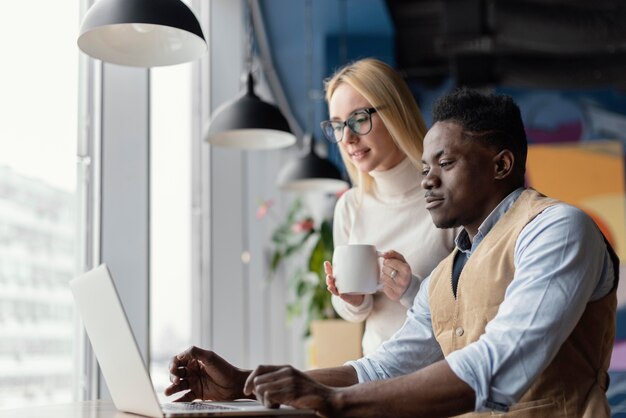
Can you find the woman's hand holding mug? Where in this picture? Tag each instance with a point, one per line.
(356, 271)
(331, 285)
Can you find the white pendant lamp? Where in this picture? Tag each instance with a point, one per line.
(141, 33)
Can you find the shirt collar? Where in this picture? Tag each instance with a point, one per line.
(462, 240)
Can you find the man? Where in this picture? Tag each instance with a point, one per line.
(520, 317)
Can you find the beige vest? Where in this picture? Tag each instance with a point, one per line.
(575, 382)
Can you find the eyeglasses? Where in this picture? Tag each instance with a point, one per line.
(360, 123)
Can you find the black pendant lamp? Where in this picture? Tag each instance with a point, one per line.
(249, 123)
(311, 173)
(141, 33)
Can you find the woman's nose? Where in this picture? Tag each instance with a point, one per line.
(349, 136)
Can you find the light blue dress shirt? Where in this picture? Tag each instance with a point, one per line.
(561, 264)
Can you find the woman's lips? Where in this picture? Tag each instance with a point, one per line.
(359, 154)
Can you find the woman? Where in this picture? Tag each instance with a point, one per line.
(379, 128)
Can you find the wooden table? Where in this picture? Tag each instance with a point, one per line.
(85, 409)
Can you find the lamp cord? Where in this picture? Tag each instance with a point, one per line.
(249, 37)
(308, 74)
(343, 42)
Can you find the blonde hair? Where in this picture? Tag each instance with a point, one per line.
(385, 90)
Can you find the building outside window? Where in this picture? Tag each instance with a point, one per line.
(38, 222)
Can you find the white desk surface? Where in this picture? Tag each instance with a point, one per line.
(85, 409)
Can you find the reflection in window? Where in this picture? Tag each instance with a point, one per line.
(37, 202)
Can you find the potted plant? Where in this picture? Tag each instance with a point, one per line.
(297, 235)
(299, 238)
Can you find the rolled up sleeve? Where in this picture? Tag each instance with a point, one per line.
(411, 348)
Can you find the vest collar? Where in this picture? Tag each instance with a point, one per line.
(463, 242)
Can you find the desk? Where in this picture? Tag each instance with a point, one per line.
(86, 409)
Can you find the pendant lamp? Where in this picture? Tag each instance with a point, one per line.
(311, 173)
(249, 123)
(141, 33)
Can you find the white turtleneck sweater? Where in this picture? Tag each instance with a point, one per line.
(392, 217)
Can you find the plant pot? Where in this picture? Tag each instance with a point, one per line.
(333, 342)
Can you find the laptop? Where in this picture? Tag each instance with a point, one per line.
(121, 363)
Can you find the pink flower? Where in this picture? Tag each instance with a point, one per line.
(264, 207)
(304, 225)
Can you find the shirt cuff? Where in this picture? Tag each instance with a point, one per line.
(408, 297)
(367, 370)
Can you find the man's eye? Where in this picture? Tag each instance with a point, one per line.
(424, 172)
(444, 163)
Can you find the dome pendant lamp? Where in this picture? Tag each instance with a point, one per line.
(142, 33)
(311, 173)
(249, 123)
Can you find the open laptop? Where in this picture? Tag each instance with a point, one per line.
(123, 369)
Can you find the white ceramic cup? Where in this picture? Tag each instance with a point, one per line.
(356, 269)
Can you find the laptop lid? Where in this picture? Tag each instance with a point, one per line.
(121, 363)
(113, 343)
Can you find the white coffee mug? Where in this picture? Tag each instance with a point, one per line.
(356, 269)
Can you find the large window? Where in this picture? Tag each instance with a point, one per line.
(170, 217)
(38, 221)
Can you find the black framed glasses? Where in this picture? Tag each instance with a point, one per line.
(359, 122)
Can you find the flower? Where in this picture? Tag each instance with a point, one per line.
(264, 208)
(304, 225)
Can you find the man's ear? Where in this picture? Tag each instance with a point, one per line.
(503, 164)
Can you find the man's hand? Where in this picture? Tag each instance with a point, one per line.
(275, 385)
(206, 375)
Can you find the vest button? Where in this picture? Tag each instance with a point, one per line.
(459, 331)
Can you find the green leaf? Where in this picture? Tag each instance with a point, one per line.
(301, 289)
(276, 259)
(326, 232)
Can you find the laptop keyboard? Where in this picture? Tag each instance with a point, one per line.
(197, 406)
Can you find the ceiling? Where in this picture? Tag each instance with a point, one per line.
(525, 43)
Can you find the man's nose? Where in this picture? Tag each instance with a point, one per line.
(429, 181)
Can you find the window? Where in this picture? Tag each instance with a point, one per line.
(170, 217)
(38, 220)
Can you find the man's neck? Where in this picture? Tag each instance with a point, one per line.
(490, 206)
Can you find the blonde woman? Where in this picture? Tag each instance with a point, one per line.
(379, 128)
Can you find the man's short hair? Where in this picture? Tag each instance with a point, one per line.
(493, 119)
